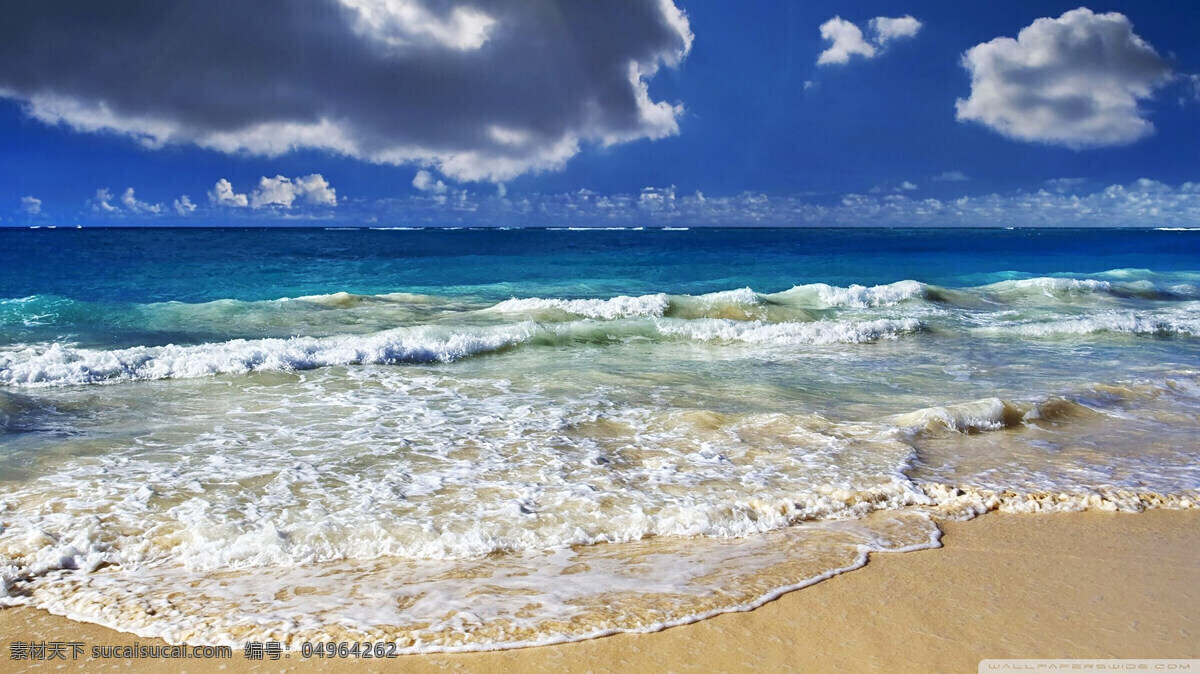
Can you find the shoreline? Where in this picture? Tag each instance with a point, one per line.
(1064, 585)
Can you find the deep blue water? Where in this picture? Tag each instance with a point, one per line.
(195, 265)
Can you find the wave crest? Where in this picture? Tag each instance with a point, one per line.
(1163, 324)
(60, 364)
(824, 296)
(815, 332)
(622, 306)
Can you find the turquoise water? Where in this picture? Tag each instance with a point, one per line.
(482, 438)
(199, 265)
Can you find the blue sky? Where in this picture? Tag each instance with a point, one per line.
(741, 125)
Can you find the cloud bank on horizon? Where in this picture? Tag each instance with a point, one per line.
(1067, 202)
(1142, 202)
(481, 90)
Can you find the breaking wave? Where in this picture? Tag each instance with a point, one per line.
(57, 364)
(64, 365)
(1184, 322)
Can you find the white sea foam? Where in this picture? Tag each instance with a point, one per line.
(466, 476)
(667, 425)
(963, 502)
(821, 295)
(58, 364)
(565, 594)
(1048, 286)
(1124, 283)
(744, 296)
(1185, 322)
(792, 333)
(616, 307)
(713, 305)
(425, 503)
(345, 299)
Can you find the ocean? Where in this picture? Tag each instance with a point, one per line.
(477, 439)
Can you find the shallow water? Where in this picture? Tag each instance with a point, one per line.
(478, 439)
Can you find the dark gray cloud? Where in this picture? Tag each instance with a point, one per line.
(480, 89)
(1076, 81)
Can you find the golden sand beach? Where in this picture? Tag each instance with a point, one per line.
(1077, 585)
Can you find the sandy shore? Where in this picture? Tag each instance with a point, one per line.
(1069, 585)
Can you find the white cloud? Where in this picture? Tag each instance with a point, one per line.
(100, 203)
(31, 205)
(888, 29)
(315, 190)
(133, 205)
(281, 192)
(312, 190)
(222, 194)
(183, 205)
(277, 191)
(425, 182)
(126, 204)
(847, 40)
(950, 177)
(907, 186)
(406, 23)
(1074, 81)
(387, 81)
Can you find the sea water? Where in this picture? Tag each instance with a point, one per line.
(477, 439)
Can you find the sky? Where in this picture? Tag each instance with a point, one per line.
(631, 113)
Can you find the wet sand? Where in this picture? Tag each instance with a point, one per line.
(1077, 585)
